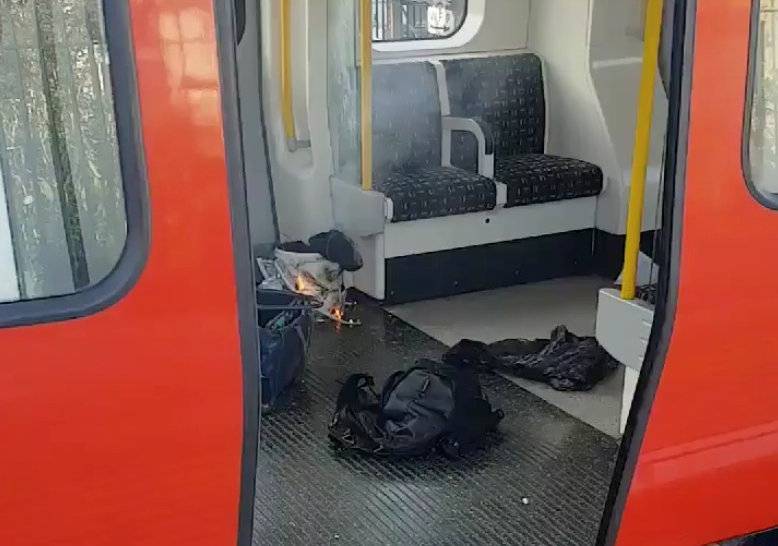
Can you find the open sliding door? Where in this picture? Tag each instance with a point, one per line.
(125, 277)
(700, 457)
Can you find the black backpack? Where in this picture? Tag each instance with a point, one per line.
(431, 406)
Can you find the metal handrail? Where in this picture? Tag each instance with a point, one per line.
(287, 104)
(642, 145)
(366, 91)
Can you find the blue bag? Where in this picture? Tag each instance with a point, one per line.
(285, 326)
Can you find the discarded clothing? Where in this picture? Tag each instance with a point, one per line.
(298, 247)
(433, 406)
(337, 248)
(566, 362)
(333, 246)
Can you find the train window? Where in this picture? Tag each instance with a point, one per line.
(403, 20)
(63, 225)
(761, 147)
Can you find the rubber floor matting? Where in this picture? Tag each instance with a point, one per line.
(544, 482)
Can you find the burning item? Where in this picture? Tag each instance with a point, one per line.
(301, 269)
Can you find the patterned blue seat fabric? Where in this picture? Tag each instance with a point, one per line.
(507, 93)
(539, 178)
(407, 137)
(437, 191)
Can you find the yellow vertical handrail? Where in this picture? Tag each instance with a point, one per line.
(642, 147)
(366, 91)
(287, 105)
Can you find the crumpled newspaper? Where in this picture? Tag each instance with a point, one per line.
(312, 275)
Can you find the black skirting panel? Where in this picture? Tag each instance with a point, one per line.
(438, 274)
(485, 267)
(609, 252)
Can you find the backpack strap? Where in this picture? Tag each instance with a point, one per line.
(391, 383)
(397, 377)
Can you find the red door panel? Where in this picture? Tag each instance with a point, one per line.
(125, 427)
(708, 467)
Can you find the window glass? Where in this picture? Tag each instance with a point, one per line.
(763, 150)
(343, 90)
(62, 216)
(399, 20)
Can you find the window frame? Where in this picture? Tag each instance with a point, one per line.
(466, 14)
(765, 198)
(132, 163)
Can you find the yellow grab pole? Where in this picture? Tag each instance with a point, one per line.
(642, 144)
(287, 106)
(366, 90)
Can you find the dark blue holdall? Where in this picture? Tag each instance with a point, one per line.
(285, 326)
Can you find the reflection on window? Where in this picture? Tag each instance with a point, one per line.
(399, 20)
(63, 227)
(343, 90)
(764, 115)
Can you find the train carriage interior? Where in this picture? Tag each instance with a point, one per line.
(465, 247)
(477, 155)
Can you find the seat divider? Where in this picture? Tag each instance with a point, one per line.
(445, 102)
(445, 110)
(502, 195)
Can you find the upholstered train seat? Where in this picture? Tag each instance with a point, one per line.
(539, 178)
(408, 133)
(437, 191)
(465, 197)
(507, 93)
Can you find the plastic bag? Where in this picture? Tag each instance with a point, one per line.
(565, 361)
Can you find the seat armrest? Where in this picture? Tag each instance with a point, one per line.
(357, 212)
(483, 134)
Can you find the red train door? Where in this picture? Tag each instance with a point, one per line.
(702, 445)
(123, 259)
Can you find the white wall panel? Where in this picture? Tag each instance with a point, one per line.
(592, 62)
(300, 178)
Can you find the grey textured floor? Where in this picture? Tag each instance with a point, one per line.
(307, 493)
(528, 311)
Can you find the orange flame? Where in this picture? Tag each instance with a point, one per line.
(337, 313)
(299, 284)
(304, 286)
